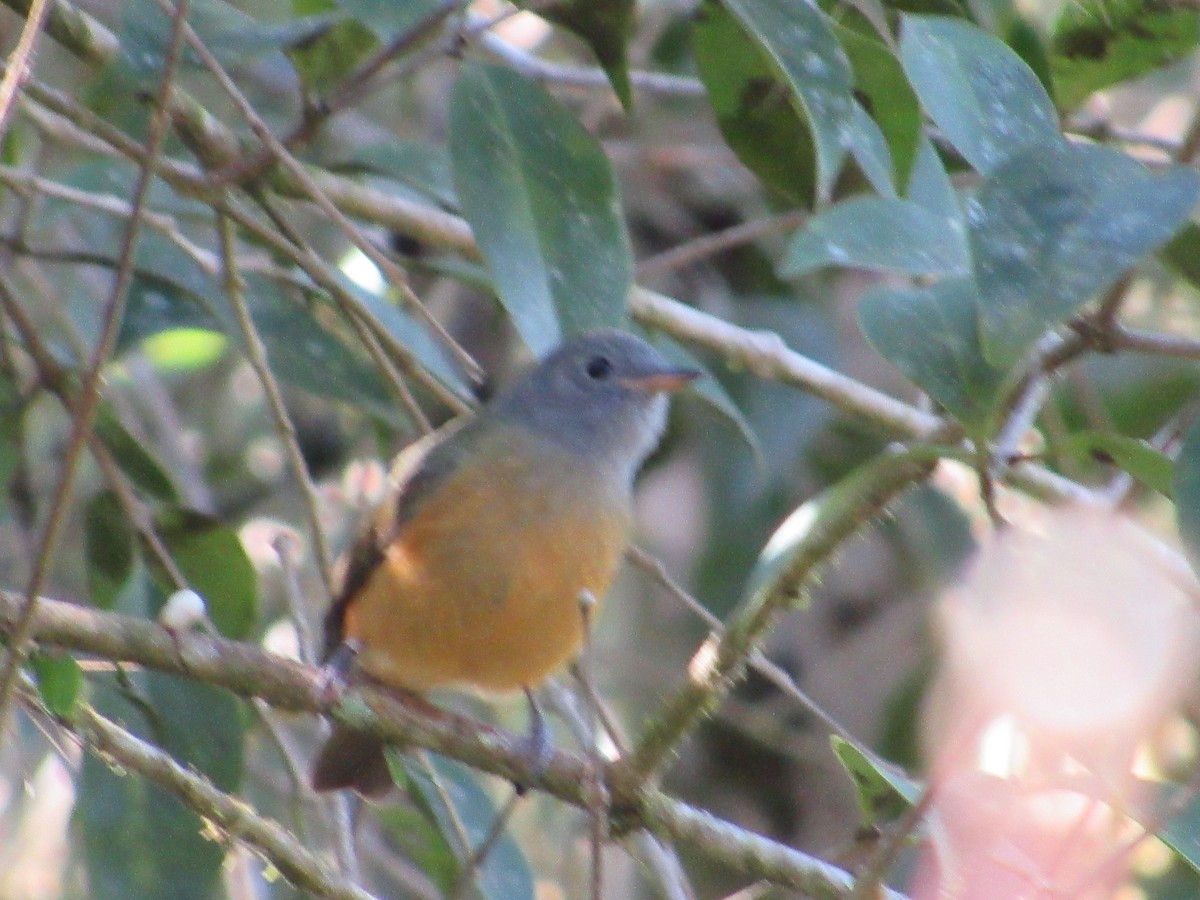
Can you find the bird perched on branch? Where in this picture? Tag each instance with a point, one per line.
(471, 571)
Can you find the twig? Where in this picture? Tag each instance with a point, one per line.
(17, 68)
(256, 355)
(231, 815)
(722, 842)
(530, 66)
(758, 661)
(820, 528)
(89, 400)
(387, 265)
(248, 670)
(711, 244)
(347, 93)
(325, 277)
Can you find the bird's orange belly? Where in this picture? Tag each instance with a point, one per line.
(453, 604)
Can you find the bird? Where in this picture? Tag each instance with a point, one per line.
(471, 571)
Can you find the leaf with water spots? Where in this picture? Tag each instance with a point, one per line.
(1060, 223)
(880, 234)
(798, 41)
(987, 102)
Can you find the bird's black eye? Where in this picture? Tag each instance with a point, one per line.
(599, 367)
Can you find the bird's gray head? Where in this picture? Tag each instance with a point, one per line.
(603, 395)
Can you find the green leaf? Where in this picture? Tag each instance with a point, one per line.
(987, 102)
(1150, 466)
(869, 148)
(541, 198)
(885, 93)
(332, 51)
(798, 40)
(232, 36)
(214, 564)
(303, 352)
(12, 414)
(59, 681)
(1058, 224)
(415, 830)
(605, 26)
(1182, 832)
(1187, 495)
(1097, 43)
(421, 167)
(133, 457)
(388, 18)
(884, 792)
(109, 549)
(932, 335)
(505, 873)
(1182, 253)
(930, 187)
(751, 102)
(880, 234)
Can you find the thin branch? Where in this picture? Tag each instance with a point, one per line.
(325, 277)
(758, 661)
(89, 400)
(256, 354)
(17, 68)
(661, 83)
(808, 539)
(748, 852)
(232, 815)
(349, 92)
(766, 355)
(394, 274)
(694, 251)
(249, 671)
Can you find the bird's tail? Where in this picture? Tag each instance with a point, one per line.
(352, 759)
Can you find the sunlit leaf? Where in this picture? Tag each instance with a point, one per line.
(59, 681)
(884, 792)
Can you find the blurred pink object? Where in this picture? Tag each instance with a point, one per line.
(1064, 648)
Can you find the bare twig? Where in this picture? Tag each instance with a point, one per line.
(711, 244)
(17, 68)
(256, 354)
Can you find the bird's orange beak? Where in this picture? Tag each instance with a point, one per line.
(665, 381)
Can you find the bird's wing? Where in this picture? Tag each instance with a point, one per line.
(415, 474)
